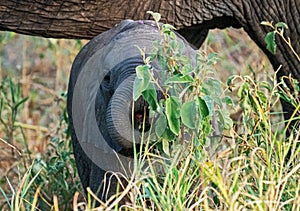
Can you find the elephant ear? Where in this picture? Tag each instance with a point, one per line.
(96, 119)
(92, 64)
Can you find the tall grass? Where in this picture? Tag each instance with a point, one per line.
(255, 172)
(37, 168)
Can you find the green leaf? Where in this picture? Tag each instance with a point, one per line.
(161, 125)
(243, 90)
(228, 100)
(168, 27)
(156, 16)
(189, 114)
(179, 78)
(266, 85)
(224, 119)
(186, 61)
(142, 71)
(173, 36)
(212, 58)
(141, 81)
(166, 146)
(203, 107)
(212, 89)
(230, 80)
(262, 99)
(270, 41)
(151, 97)
(173, 114)
(187, 69)
(168, 30)
(21, 102)
(285, 97)
(281, 25)
(254, 103)
(168, 135)
(162, 60)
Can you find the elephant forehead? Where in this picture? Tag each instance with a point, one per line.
(127, 43)
(125, 48)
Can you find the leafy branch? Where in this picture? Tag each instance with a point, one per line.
(278, 28)
(191, 94)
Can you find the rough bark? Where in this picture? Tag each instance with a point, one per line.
(88, 18)
(68, 18)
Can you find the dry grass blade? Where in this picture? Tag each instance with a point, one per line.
(18, 198)
(75, 201)
(35, 199)
(95, 196)
(55, 203)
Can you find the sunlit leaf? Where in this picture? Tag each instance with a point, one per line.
(161, 125)
(185, 60)
(166, 146)
(156, 16)
(141, 81)
(228, 100)
(265, 84)
(224, 119)
(173, 114)
(150, 96)
(179, 79)
(281, 25)
(203, 107)
(168, 135)
(266, 23)
(270, 41)
(189, 114)
(262, 98)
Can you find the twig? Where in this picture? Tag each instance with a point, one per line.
(11, 146)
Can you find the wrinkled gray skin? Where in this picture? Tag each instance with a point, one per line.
(104, 70)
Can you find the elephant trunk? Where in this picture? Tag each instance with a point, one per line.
(119, 116)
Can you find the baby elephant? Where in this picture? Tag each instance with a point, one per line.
(100, 100)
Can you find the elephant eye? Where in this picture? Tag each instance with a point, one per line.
(105, 84)
(107, 79)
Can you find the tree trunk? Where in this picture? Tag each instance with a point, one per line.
(81, 19)
(84, 19)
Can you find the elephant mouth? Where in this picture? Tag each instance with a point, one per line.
(141, 116)
(127, 122)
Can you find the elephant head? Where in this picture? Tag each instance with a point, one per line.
(100, 99)
(193, 19)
